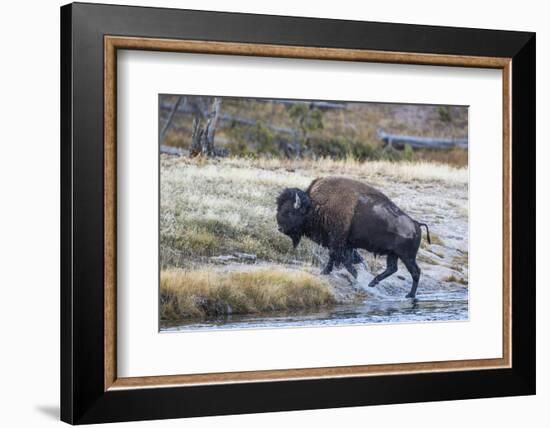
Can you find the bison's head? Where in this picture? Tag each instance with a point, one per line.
(293, 206)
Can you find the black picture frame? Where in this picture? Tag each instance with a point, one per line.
(83, 399)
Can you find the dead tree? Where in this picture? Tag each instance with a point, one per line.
(171, 115)
(204, 130)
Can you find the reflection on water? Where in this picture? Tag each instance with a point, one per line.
(427, 307)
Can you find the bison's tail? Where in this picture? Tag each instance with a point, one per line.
(427, 231)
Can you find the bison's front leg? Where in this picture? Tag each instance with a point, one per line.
(350, 255)
(357, 258)
(347, 259)
(341, 253)
(335, 258)
(328, 268)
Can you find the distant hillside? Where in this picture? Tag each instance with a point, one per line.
(282, 128)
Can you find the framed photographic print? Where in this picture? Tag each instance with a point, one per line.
(265, 213)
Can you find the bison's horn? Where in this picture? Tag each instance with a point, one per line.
(297, 203)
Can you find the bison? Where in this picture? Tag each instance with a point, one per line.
(342, 215)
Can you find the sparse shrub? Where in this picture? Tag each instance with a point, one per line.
(335, 148)
(238, 147)
(342, 148)
(408, 153)
(444, 113)
(201, 241)
(307, 120)
(453, 278)
(263, 139)
(362, 151)
(461, 260)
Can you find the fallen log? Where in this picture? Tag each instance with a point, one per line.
(399, 141)
(321, 105)
(168, 150)
(229, 120)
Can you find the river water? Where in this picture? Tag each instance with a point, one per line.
(447, 306)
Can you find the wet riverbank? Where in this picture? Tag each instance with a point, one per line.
(431, 307)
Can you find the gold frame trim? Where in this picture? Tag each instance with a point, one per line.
(113, 43)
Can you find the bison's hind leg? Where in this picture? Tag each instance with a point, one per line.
(391, 268)
(414, 270)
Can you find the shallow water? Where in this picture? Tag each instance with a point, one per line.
(448, 306)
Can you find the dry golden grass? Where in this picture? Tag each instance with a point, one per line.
(434, 238)
(460, 263)
(401, 171)
(205, 292)
(457, 156)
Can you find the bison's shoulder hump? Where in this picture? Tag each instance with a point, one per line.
(334, 199)
(339, 189)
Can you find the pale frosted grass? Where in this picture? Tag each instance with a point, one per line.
(239, 171)
(241, 191)
(214, 192)
(237, 194)
(215, 207)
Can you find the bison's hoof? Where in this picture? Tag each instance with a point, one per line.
(373, 283)
(410, 296)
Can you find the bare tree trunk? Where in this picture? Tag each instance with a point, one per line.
(171, 115)
(203, 136)
(211, 125)
(196, 137)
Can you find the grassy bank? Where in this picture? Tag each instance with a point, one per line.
(218, 207)
(206, 292)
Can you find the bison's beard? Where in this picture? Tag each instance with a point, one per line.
(296, 237)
